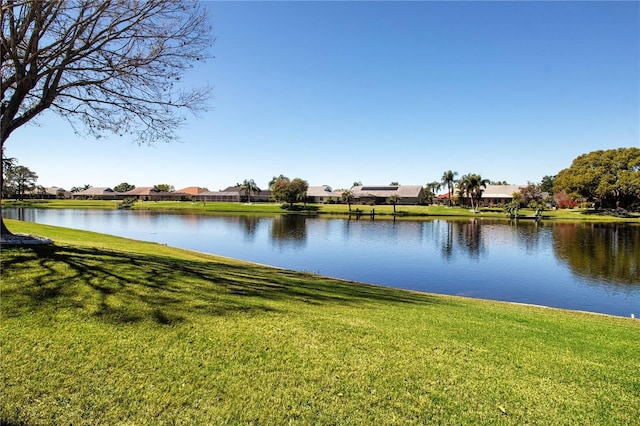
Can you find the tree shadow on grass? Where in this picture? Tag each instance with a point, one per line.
(123, 287)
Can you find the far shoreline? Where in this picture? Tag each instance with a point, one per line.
(357, 211)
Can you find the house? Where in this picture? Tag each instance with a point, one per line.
(228, 196)
(499, 195)
(97, 193)
(322, 194)
(53, 192)
(192, 190)
(408, 194)
(149, 193)
(232, 194)
(442, 199)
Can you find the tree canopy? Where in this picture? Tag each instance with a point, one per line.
(18, 180)
(610, 178)
(249, 187)
(472, 186)
(449, 180)
(123, 187)
(289, 191)
(164, 187)
(546, 185)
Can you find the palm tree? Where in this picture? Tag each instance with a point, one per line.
(479, 187)
(448, 180)
(248, 187)
(464, 185)
(347, 195)
(471, 185)
(433, 187)
(394, 199)
(512, 208)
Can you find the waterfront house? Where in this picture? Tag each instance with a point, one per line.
(322, 194)
(232, 194)
(499, 195)
(50, 193)
(97, 193)
(192, 190)
(150, 193)
(408, 194)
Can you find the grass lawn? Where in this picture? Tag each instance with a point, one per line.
(103, 330)
(382, 211)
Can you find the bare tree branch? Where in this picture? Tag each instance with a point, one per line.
(107, 66)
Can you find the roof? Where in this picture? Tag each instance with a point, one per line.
(98, 190)
(321, 191)
(54, 190)
(501, 191)
(401, 191)
(236, 190)
(193, 190)
(141, 190)
(149, 190)
(224, 192)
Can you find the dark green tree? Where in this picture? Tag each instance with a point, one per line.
(124, 187)
(289, 191)
(609, 179)
(7, 165)
(547, 184)
(163, 187)
(75, 189)
(19, 180)
(278, 186)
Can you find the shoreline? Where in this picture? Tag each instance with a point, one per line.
(34, 240)
(403, 212)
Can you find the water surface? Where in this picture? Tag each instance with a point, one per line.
(584, 266)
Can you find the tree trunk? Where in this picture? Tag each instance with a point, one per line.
(3, 229)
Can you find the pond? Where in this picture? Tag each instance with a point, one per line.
(573, 265)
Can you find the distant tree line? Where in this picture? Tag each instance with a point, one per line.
(603, 179)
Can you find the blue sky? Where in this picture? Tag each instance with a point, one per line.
(337, 92)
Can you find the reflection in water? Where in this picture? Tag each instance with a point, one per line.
(608, 253)
(250, 225)
(528, 234)
(289, 231)
(463, 237)
(546, 263)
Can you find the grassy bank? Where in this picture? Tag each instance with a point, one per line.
(382, 211)
(104, 330)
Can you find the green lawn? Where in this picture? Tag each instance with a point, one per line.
(104, 330)
(383, 211)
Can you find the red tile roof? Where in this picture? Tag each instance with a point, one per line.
(193, 190)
